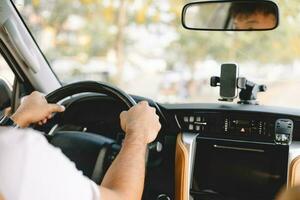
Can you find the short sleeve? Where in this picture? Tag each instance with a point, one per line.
(31, 168)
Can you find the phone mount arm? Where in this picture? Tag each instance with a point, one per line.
(249, 90)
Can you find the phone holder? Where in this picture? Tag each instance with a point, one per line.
(248, 90)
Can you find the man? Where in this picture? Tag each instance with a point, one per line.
(32, 169)
(253, 15)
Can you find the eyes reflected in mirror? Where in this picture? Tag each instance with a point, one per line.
(253, 16)
(231, 16)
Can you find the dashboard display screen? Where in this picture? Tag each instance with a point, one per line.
(243, 123)
(238, 171)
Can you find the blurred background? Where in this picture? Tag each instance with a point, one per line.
(140, 46)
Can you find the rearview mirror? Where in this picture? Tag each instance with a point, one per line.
(231, 15)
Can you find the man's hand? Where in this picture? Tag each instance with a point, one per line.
(140, 123)
(124, 179)
(35, 109)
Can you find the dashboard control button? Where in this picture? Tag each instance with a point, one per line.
(186, 119)
(192, 118)
(201, 123)
(191, 127)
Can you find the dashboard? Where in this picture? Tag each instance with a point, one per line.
(238, 122)
(258, 127)
(247, 147)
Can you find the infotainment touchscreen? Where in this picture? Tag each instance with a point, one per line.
(239, 171)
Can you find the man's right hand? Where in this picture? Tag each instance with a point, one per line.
(140, 123)
(35, 109)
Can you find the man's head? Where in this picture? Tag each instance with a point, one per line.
(254, 15)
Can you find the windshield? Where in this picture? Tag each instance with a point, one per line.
(141, 47)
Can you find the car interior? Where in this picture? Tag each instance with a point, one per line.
(233, 148)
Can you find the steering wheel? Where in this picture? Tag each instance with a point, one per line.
(83, 87)
(90, 86)
(90, 152)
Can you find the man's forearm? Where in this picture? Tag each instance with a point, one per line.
(127, 173)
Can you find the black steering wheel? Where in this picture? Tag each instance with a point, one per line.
(83, 87)
(91, 153)
(90, 86)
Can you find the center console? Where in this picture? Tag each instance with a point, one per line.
(234, 155)
(238, 170)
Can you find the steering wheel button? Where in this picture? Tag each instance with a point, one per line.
(191, 127)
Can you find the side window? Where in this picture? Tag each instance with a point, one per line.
(5, 71)
(6, 76)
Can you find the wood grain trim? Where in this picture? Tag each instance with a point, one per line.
(294, 172)
(181, 170)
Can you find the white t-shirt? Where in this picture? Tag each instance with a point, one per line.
(32, 169)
